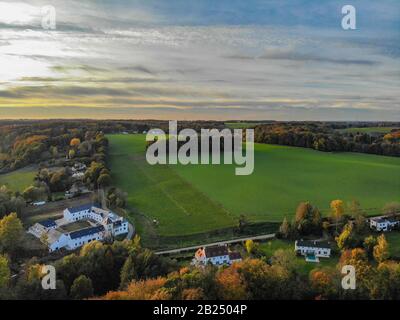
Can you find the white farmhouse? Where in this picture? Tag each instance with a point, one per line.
(312, 249)
(216, 255)
(384, 223)
(113, 224)
(41, 227)
(102, 224)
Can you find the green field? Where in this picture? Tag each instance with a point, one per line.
(241, 125)
(369, 129)
(160, 193)
(18, 180)
(393, 238)
(197, 198)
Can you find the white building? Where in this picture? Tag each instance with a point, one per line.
(103, 224)
(41, 227)
(113, 224)
(216, 255)
(384, 223)
(78, 167)
(313, 248)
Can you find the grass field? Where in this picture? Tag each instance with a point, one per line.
(241, 125)
(393, 238)
(18, 180)
(369, 129)
(197, 198)
(160, 193)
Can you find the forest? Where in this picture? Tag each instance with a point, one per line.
(328, 137)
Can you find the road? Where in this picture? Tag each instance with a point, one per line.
(179, 250)
(131, 231)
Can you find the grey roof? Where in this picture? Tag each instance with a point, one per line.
(235, 255)
(384, 219)
(48, 223)
(83, 207)
(313, 243)
(86, 232)
(80, 208)
(216, 251)
(378, 219)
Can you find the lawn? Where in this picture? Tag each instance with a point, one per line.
(20, 179)
(270, 247)
(197, 198)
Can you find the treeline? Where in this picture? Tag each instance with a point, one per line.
(21, 145)
(28, 142)
(279, 278)
(324, 136)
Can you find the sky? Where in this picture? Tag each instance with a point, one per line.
(200, 59)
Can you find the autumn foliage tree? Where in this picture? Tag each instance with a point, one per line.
(337, 208)
(75, 142)
(381, 249)
(4, 272)
(11, 232)
(230, 284)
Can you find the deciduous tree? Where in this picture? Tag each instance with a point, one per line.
(381, 249)
(81, 288)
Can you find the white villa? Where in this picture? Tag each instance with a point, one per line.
(102, 224)
(216, 255)
(384, 223)
(312, 249)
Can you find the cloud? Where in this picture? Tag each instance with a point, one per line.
(205, 58)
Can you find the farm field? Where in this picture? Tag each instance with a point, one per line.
(197, 198)
(369, 129)
(160, 193)
(18, 180)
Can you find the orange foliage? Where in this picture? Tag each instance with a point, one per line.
(75, 142)
(150, 289)
(192, 294)
(320, 279)
(230, 284)
(28, 141)
(116, 295)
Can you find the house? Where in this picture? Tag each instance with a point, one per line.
(73, 240)
(76, 189)
(235, 257)
(384, 223)
(78, 167)
(102, 224)
(313, 249)
(78, 175)
(216, 255)
(42, 227)
(39, 203)
(113, 224)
